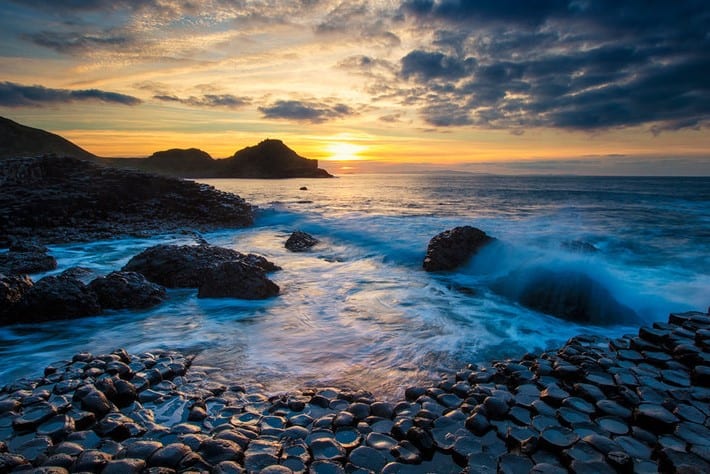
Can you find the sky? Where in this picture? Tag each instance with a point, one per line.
(545, 86)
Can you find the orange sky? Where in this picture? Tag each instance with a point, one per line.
(386, 81)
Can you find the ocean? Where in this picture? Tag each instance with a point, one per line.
(358, 310)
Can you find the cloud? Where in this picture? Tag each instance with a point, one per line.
(73, 42)
(565, 64)
(17, 95)
(305, 111)
(207, 100)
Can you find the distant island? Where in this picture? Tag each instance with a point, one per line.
(270, 159)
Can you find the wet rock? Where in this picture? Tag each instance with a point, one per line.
(23, 258)
(261, 454)
(513, 464)
(300, 241)
(326, 467)
(693, 433)
(96, 402)
(57, 428)
(33, 416)
(124, 466)
(365, 457)
(169, 456)
(591, 467)
(349, 438)
(236, 279)
(478, 424)
(142, 449)
(453, 247)
(91, 461)
(57, 297)
(119, 290)
(327, 449)
(655, 418)
(557, 438)
(184, 266)
(12, 290)
(671, 460)
(496, 408)
(420, 439)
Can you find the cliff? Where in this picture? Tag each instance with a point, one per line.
(19, 140)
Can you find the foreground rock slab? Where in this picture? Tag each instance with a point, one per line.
(300, 241)
(638, 403)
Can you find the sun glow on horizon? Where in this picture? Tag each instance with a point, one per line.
(342, 151)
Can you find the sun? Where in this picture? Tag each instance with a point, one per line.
(341, 151)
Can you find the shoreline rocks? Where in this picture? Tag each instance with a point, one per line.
(638, 403)
(53, 199)
(23, 258)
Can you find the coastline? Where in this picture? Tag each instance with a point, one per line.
(639, 403)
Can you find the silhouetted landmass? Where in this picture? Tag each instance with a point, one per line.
(61, 199)
(269, 159)
(19, 140)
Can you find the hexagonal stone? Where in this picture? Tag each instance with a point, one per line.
(655, 418)
(366, 457)
(557, 438)
(327, 449)
(693, 433)
(613, 425)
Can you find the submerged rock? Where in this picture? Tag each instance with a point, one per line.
(300, 241)
(567, 294)
(119, 290)
(237, 279)
(185, 266)
(24, 258)
(453, 247)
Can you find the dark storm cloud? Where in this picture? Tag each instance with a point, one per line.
(17, 95)
(71, 42)
(568, 64)
(305, 111)
(207, 100)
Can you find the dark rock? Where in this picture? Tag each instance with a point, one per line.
(567, 294)
(142, 449)
(237, 279)
(420, 439)
(655, 418)
(453, 247)
(261, 454)
(33, 416)
(57, 297)
(96, 402)
(185, 266)
(23, 259)
(169, 456)
(671, 460)
(514, 464)
(217, 450)
(693, 433)
(91, 461)
(12, 290)
(119, 290)
(325, 467)
(124, 466)
(557, 438)
(67, 199)
(478, 424)
(57, 428)
(327, 449)
(300, 241)
(366, 457)
(591, 467)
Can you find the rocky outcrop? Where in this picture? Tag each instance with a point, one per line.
(26, 258)
(185, 266)
(12, 290)
(453, 248)
(62, 199)
(300, 241)
(120, 290)
(57, 297)
(237, 279)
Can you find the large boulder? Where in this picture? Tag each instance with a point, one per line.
(120, 290)
(57, 297)
(237, 279)
(185, 266)
(12, 290)
(453, 247)
(300, 241)
(24, 258)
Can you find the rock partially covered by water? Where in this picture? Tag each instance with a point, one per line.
(300, 241)
(237, 279)
(567, 294)
(453, 247)
(57, 297)
(185, 266)
(24, 258)
(119, 290)
(12, 289)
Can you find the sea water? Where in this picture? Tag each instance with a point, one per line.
(358, 309)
